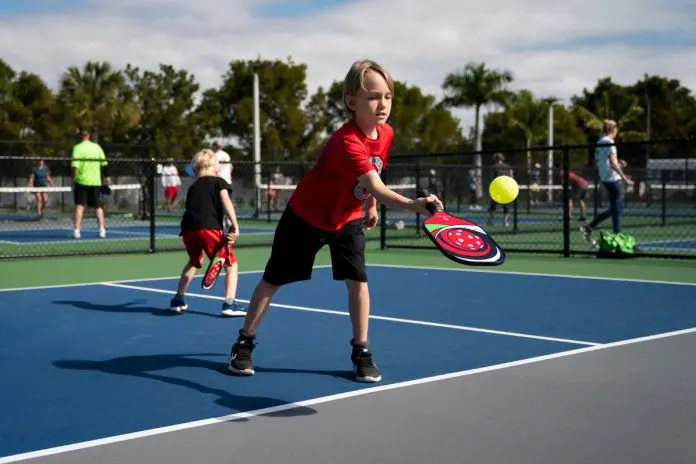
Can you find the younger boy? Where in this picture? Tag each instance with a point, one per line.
(326, 208)
(207, 202)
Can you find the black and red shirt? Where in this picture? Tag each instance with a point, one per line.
(203, 205)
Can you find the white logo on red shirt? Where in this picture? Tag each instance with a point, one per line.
(361, 192)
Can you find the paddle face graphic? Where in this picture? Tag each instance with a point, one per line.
(461, 240)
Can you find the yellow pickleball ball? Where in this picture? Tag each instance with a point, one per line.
(504, 189)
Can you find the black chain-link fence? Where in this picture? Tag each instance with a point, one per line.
(659, 209)
(139, 215)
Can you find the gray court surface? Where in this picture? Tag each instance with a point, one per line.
(632, 403)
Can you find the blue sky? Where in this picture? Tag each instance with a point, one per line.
(289, 8)
(275, 9)
(19, 7)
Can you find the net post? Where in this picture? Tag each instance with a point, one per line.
(515, 218)
(566, 199)
(151, 179)
(268, 199)
(257, 143)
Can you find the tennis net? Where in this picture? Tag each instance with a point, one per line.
(22, 201)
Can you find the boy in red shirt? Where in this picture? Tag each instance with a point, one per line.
(207, 203)
(326, 208)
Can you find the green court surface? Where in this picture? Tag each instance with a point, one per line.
(74, 270)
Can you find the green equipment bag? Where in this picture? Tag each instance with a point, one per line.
(616, 245)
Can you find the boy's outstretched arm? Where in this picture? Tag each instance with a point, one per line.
(373, 183)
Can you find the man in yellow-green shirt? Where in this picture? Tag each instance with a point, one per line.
(88, 165)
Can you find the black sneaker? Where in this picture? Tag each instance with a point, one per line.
(364, 366)
(240, 356)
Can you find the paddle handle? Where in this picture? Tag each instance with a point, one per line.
(432, 207)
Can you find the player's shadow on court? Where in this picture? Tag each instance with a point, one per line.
(145, 367)
(130, 308)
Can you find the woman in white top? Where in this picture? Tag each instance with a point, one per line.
(611, 174)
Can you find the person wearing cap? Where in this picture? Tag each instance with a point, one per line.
(89, 166)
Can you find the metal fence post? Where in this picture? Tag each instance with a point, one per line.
(152, 182)
(566, 199)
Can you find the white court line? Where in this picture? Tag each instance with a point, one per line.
(327, 399)
(535, 274)
(144, 279)
(372, 316)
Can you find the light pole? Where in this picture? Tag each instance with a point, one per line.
(549, 155)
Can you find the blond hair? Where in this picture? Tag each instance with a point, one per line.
(609, 126)
(498, 158)
(204, 162)
(355, 78)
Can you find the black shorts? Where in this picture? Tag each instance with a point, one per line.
(493, 205)
(296, 244)
(87, 195)
(577, 192)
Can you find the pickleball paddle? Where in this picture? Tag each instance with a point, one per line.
(460, 240)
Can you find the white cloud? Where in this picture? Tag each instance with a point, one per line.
(420, 42)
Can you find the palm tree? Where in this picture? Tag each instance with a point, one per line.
(474, 87)
(624, 108)
(94, 97)
(530, 116)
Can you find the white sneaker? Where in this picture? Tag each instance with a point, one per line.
(102, 233)
(232, 310)
(76, 234)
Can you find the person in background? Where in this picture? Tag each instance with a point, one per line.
(471, 187)
(171, 183)
(578, 191)
(435, 185)
(89, 166)
(535, 183)
(277, 178)
(500, 168)
(225, 171)
(40, 177)
(611, 174)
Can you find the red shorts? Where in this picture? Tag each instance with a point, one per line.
(171, 192)
(206, 241)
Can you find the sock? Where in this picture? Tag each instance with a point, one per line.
(357, 345)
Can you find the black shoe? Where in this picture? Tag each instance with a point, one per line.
(240, 356)
(364, 366)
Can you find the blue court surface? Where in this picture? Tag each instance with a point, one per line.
(113, 232)
(93, 361)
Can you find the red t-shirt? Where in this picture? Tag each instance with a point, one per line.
(574, 179)
(329, 196)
